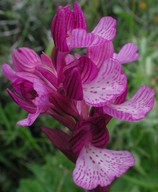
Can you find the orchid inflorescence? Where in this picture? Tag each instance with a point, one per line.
(83, 92)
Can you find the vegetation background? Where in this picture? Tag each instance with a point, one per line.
(28, 161)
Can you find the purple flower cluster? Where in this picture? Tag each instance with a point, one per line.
(83, 92)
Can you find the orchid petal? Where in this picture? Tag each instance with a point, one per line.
(74, 19)
(82, 109)
(79, 18)
(135, 108)
(98, 54)
(100, 134)
(80, 135)
(46, 60)
(25, 59)
(30, 118)
(99, 167)
(106, 28)
(80, 39)
(77, 55)
(39, 86)
(69, 58)
(9, 72)
(98, 111)
(41, 99)
(69, 19)
(47, 74)
(28, 106)
(122, 97)
(72, 85)
(59, 31)
(107, 86)
(58, 58)
(93, 130)
(128, 53)
(88, 69)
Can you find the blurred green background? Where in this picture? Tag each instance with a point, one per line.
(28, 161)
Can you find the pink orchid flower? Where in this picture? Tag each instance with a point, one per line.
(35, 88)
(96, 87)
(29, 92)
(63, 23)
(69, 30)
(83, 92)
(101, 87)
(95, 166)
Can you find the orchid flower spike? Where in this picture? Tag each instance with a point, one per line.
(83, 92)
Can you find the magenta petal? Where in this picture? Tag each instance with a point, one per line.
(30, 119)
(46, 60)
(28, 106)
(79, 18)
(100, 134)
(99, 167)
(98, 54)
(80, 135)
(106, 28)
(60, 140)
(107, 86)
(80, 39)
(59, 31)
(39, 86)
(47, 74)
(9, 72)
(128, 53)
(82, 109)
(135, 108)
(41, 99)
(77, 56)
(69, 19)
(88, 69)
(25, 59)
(122, 97)
(69, 58)
(72, 84)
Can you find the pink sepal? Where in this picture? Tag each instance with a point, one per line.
(106, 28)
(135, 108)
(98, 54)
(25, 59)
(30, 118)
(81, 39)
(9, 72)
(128, 53)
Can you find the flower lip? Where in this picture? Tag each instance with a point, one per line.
(99, 167)
(109, 83)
